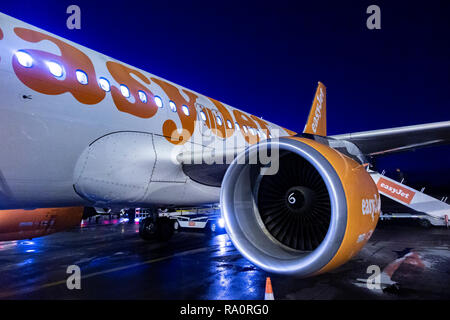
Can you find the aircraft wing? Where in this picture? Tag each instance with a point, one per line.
(385, 141)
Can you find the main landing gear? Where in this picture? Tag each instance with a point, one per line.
(154, 227)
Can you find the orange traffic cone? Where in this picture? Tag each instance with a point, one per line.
(269, 291)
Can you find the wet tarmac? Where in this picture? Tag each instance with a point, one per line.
(116, 264)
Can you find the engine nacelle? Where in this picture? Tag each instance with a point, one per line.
(313, 215)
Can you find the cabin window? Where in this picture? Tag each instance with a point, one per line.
(219, 120)
(25, 60)
(203, 115)
(55, 68)
(173, 106)
(229, 124)
(82, 77)
(125, 91)
(238, 128)
(185, 109)
(245, 129)
(104, 84)
(142, 96)
(158, 102)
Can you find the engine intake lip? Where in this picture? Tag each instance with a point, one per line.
(248, 233)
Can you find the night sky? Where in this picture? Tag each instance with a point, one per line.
(266, 58)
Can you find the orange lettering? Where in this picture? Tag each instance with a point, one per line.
(210, 120)
(213, 124)
(170, 130)
(41, 80)
(222, 130)
(262, 124)
(243, 120)
(122, 75)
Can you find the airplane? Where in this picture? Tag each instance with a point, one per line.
(81, 129)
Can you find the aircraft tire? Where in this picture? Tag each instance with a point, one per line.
(161, 229)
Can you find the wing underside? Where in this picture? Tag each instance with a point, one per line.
(385, 141)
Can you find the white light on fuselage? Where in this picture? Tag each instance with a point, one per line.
(158, 102)
(125, 91)
(82, 77)
(185, 110)
(142, 96)
(173, 106)
(55, 68)
(104, 84)
(24, 59)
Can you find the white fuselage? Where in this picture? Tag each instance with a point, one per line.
(46, 136)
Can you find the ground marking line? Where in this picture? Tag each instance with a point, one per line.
(90, 275)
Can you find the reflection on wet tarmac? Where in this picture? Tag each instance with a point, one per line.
(116, 264)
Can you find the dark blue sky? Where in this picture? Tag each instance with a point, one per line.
(266, 57)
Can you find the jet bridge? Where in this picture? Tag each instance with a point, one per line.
(410, 197)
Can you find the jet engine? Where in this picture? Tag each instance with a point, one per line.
(310, 216)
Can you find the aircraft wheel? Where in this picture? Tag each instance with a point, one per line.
(159, 229)
(148, 229)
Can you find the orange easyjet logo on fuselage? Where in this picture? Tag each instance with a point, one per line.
(73, 60)
(395, 190)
